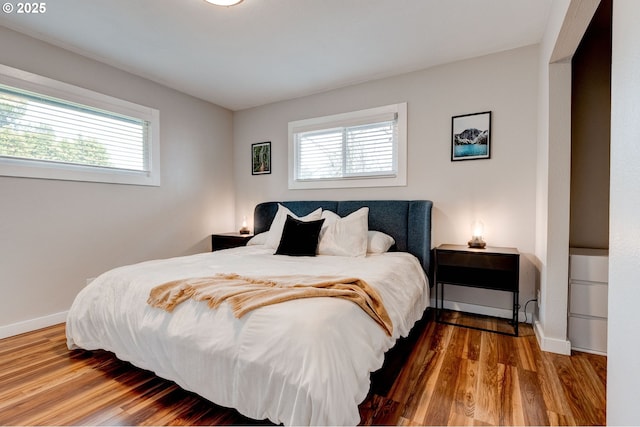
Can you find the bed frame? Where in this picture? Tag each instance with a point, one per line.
(407, 221)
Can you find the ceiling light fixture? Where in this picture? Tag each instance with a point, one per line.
(223, 2)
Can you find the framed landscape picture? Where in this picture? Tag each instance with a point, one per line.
(260, 158)
(471, 136)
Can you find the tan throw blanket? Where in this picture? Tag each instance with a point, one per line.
(248, 293)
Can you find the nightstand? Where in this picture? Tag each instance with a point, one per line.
(228, 240)
(489, 268)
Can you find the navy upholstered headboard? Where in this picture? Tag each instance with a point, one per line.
(407, 221)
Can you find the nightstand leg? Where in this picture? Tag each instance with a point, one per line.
(439, 301)
(516, 309)
(437, 304)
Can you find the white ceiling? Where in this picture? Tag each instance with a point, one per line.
(262, 51)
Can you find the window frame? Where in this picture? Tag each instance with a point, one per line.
(367, 116)
(32, 168)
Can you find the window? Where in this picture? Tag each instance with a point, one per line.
(364, 148)
(52, 130)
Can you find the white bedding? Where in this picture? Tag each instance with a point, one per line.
(302, 362)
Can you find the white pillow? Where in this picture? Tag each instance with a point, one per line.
(258, 239)
(329, 218)
(344, 236)
(275, 231)
(378, 242)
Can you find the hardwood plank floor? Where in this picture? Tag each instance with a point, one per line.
(451, 376)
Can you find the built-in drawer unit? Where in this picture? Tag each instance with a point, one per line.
(588, 299)
(588, 334)
(589, 264)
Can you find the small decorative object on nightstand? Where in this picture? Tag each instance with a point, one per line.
(244, 229)
(489, 268)
(228, 240)
(476, 236)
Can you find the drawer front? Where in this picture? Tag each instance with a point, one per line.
(589, 268)
(219, 242)
(590, 299)
(490, 271)
(489, 261)
(588, 333)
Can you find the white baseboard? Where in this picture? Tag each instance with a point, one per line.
(589, 350)
(483, 310)
(552, 345)
(32, 324)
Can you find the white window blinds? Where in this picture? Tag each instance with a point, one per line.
(54, 130)
(37, 127)
(356, 151)
(348, 147)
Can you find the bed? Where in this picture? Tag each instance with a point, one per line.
(300, 362)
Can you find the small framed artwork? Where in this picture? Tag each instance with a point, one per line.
(261, 158)
(471, 136)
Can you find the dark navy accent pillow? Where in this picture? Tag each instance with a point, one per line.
(299, 238)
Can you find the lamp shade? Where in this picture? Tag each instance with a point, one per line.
(244, 229)
(477, 229)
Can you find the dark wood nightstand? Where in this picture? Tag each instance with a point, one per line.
(489, 268)
(228, 240)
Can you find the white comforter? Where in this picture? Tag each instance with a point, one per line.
(302, 362)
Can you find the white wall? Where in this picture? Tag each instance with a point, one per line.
(623, 373)
(623, 365)
(56, 234)
(500, 191)
(568, 20)
(554, 23)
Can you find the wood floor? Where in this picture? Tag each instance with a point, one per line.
(453, 376)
